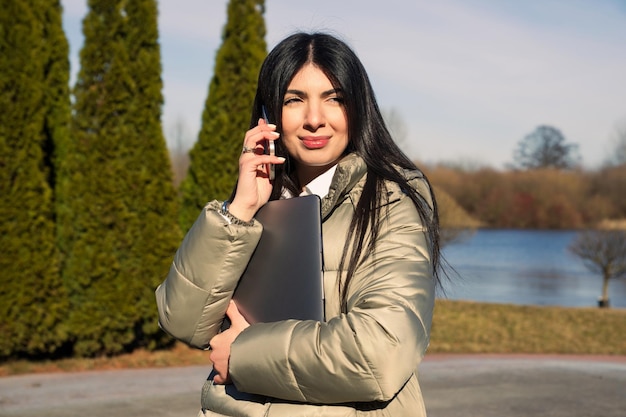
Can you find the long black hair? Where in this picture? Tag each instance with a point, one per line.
(368, 137)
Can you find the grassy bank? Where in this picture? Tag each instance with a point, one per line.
(468, 327)
(458, 327)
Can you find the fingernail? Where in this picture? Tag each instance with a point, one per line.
(282, 159)
(275, 134)
(271, 125)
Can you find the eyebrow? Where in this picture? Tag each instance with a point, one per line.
(326, 93)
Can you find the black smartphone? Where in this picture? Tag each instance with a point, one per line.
(270, 148)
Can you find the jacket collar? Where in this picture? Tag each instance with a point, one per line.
(350, 170)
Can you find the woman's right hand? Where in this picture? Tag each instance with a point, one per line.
(254, 186)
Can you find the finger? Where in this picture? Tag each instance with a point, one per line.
(233, 312)
(218, 378)
(262, 122)
(215, 359)
(261, 127)
(256, 163)
(261, 132)
(257, 140)
(235, 316)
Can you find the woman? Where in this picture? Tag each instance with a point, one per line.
(381, 253)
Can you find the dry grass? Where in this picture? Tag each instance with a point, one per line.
(616, 224)
(179, 355)
(458, 327)
(469, 327)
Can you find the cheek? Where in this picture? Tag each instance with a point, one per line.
(339, 121)
(290, 121)
(289, 142)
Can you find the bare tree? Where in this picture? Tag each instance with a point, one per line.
(179, 154)
(546, 147)
(617, 155)
(397, 126)
(604, 252)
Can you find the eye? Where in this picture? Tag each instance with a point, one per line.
(291, 100)
(336, 99)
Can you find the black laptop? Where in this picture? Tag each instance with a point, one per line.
(284, 278)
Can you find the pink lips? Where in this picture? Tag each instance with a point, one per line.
(315, 142)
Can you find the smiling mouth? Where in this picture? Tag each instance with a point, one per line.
(315, 142)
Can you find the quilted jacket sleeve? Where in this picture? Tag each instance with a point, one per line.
(193, 298)
(365, 355)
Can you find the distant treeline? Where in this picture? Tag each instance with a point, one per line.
(538, 198)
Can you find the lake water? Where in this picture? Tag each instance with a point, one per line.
(531, 267)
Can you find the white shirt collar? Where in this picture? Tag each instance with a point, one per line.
(321, 184)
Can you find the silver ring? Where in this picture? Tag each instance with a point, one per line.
(247, 150)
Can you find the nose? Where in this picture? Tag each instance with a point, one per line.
(314, 117)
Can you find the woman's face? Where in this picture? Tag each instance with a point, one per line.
(314, 124)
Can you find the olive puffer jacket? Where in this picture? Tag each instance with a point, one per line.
(360, 363)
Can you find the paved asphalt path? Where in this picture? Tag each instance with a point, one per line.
(453, 385)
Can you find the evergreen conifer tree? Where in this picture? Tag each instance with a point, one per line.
(123, 230)
(34, 114)
(213, 167)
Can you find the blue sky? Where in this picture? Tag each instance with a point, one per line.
(468, 78)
